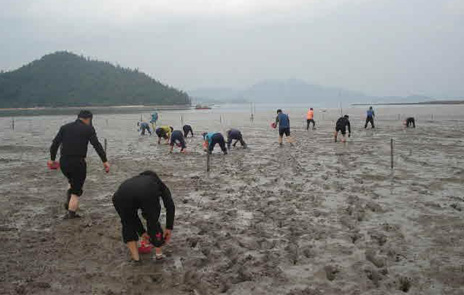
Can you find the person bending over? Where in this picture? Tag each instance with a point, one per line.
(410, 122)
(74, 139)
(143, 192)
(284, 126)
(341, 125)
(234, 134)
(143, 126)
(164, 132)
(187, 129)
(213, 138)
(178, 139)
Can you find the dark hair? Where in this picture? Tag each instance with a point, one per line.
(346, 116)
(154, 176)
(172, 129)
(311, 109)
(279, 111)
(85, 114)
(204, 134)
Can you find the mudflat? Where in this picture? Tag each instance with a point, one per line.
(315, 218)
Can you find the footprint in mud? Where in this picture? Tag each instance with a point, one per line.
(331, 272)
(404, 284)
(379, 262)
(373, 275)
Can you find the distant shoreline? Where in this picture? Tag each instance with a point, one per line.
(44, 111)
(444, 102)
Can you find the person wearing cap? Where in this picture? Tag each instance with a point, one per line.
(74, 138)
(310, 119)
(235, 134)
(177, 138)
(341, 125)
(143, 192)
(284, 126)
(370, 117)
(164, 132)
(213, 138)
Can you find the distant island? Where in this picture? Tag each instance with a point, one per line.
(64, 79)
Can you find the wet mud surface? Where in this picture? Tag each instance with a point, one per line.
(316, 218)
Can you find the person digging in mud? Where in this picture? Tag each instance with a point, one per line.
(284, 126)
(234, 134)
(177, 138)
(164, 132)
(213, 138)
(410, 122)
(187, 129)
(341, 125)
(73, 139)
(143, 126)
(310, 119)
(370, 117)
(143, 192)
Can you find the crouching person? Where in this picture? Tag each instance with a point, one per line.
(144, 192)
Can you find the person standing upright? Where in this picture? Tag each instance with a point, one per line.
(73, 139)
(310, 119)
(284, 126)
(370, 117)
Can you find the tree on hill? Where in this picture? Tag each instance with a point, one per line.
(66, 79)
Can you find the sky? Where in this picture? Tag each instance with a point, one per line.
(379, 47)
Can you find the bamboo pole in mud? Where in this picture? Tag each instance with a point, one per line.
(182, 120)
(391, 152)
(106, 145)
(208, 161)
(12, 123)
(106, 122)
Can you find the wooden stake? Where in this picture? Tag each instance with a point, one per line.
(391, 152)
(12, 123)
(208, 161)
(182, 120)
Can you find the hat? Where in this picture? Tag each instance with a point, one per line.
(85, 114)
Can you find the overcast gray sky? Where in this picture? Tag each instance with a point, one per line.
(380, 47)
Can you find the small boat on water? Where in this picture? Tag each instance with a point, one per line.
(202, 107)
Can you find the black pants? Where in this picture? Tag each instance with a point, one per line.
(145, 128)
(75, 170)
(132, 227)
(187, 129)
(308, 123)
(411, 121)
(237, 139)
(369, 120)
(217, 139)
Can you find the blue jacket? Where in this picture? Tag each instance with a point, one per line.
(283, 120)
(370, 113)
(209, 137)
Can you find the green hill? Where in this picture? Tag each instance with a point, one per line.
(66, 79)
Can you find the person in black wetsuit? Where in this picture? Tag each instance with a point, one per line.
(213, 138)
(178, 139)
(187, 129)
(234, 134)
(143, 192)
(341, 125)
(410, 122)
(73, 139)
